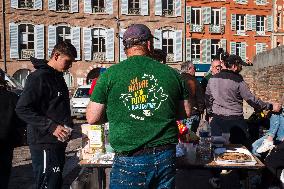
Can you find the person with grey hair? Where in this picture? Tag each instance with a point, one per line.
(142, 99)
(196, 95)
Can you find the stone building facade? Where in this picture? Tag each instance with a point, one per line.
(94, 27)
(241, 27)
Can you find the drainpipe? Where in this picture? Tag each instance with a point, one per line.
(4, 35)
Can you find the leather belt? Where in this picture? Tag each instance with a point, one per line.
(146, 150)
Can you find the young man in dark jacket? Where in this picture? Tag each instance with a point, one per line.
(44, 105)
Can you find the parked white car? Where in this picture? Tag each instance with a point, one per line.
(80, 100)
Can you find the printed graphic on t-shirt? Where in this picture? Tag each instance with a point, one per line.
(144, 96)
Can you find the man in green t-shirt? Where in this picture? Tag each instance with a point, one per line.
(142, 99)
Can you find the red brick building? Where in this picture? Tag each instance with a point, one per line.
(242, 27)
(33, 27)
(278, 24)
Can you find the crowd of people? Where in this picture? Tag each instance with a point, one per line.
(141, 98)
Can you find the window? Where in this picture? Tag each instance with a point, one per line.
(215, 17)
(240, 22)
(239, 49)
(63, 5)
(99, 43)
(21, 76)
(278, 19)
(168, 7)
(64, 34)
(26, 40)
(134, 6)
(214, 47)
(196, 16)
(26, 4)
(260, 23)
(98, 6)
(168, 42)
(68, 79)
(195, 49)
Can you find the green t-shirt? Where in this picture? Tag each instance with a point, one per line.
(141, 97)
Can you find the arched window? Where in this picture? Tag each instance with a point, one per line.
(21, 76)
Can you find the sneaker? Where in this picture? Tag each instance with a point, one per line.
(265, 146)
(215, 182)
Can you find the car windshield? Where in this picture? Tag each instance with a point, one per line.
(82, 93)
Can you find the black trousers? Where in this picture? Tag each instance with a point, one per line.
(47, 167)
(6, 156)
(237, 129)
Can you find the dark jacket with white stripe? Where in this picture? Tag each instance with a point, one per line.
(225, 93)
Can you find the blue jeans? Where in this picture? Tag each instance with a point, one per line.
(276, 129)
(192, 123)
(152, 170)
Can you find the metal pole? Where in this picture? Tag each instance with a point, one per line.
(4, 35)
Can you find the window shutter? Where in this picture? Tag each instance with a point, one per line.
(14, 40)
(158, 41)
(233, 21)
(253, 22)
(122, 53)
(223, 43)
(39, 41)
(109, 6)
(243, 51)
(233, 47)
(38, 4)
(223, 15)
(158, 8)
(269, 23)
(188, 14)
(263, 47)
(206, 15)
(74, 6)
(52, 39)
(249, 22)
(258, 47)
(87, 43)
(178, 46)
(203, 50)
(110, 45)
(144, 7)
(188, 49)
(14, 4)
(88, 6)
(76, 35)
(124, 6)
(178, 7)
(52, 5)
(208, 51)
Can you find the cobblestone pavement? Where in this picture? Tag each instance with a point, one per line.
(22, 176)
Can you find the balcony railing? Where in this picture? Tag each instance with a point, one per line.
(28, 4)
(98, 9)
(168, 12)
(61, 7)
(170, 58)
(196, 28)
(27, 53)
(217, 29)
(260, 32)
(241, 32)
(99, 56)
(135, 11)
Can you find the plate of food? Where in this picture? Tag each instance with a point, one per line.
(233, 156)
